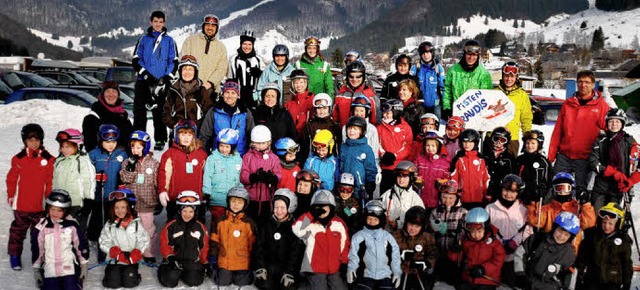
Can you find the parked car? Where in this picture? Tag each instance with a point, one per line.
(67, 77)
(69, 96)
(97, 74)
(122, 75)
(549, 109)
(19, 79)
(5, 91)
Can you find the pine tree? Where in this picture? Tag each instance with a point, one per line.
(522, 23)
(486, 20)
(515, 23)
(69, 44)
(394, 49)
(539, 71)
(337, 57)
(597, 43)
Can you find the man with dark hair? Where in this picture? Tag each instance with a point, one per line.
(581, 118)
(155, 60)
(391, 84)
(209, 51)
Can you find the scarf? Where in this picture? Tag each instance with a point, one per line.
(614, 149)
(116, 108)
(187, 87)
(245, 56)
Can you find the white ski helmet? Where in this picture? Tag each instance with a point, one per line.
(322, 100)
(346, 178)
(323, 197)
(239, 192)
(260, 133)
(288, 197)
(188, 198)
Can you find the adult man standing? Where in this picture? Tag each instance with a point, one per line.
(246, 67)
(581, 118)
(155, 60)
(464, 75)
(210, 53)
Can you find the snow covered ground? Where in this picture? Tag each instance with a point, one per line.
(54, 116)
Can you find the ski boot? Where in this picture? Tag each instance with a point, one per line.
(16, 263)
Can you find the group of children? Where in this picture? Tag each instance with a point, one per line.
(472, 220)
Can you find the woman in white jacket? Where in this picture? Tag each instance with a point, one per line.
(509, 216)
(124, 239)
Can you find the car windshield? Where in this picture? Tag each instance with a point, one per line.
(33, 80)
(123, 75)
(80, 78)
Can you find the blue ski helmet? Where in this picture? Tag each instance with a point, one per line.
(108, 132)
(477, 215)
(286, 145)
(144, 138)
(184, 124)
(228, 136)
(568, 222)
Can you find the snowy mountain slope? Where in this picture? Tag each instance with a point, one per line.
(54, 116)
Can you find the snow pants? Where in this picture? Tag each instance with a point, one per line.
(191, 274)
(116, 276)
(70, 282)
(22, 222)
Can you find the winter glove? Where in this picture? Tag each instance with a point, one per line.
(171, 260)
(207, 270)
(510, 246)
(114, 252)
(387, 159)
(84, 270)
(477, 271)
(124, 258)
(370, 188)
(164, 198)
(419, 183)
(135, 256)
(631, 181)
(101, 177)
(148, 77)
(521, 280)
(446, 114)
(261, 274)
(396, 280)
(287, 280)
(439, 227)
(305, 223)
(255, 72)
(158, 209)
(407, 255)
(166, 80)
(351, 276)
(85, 210)
(254, 178)
(610, 171)
(38, 276)
(271, 178)
(133, 161)
(421, 265)
(583, 196)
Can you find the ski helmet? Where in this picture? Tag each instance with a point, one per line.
(470, 135)
(211, 19)
(356, 67)
(430, 119)
(425, 46)
(455, 123)
(188, 60)
(403, 59)
(228, 136)
(360, 100)
(309, 176)
(351, 56)
(185, 124)
(108, 132)
(59, 198)
(612, 210)
(346, 178)
(617, 113)
(323, 197)
(70, 135)
(32, 130)
(260, 133)
(286, 145)
(477, 218)
(513, 182)
(375, 209)
(239, 192)
(143, 137)
(355, 121)
(322, 139)
(298, 74)
(500, 137)
(289, 198)
(322, 100)
(247, 36)
(568, 222)
(416, 215)
(432, 135)
(395, 106)
(448, 186)
(533, 135)
(510, 67)
(270, 86)
(472, 46)
(311, 41)
(280, 49)
(406, 168)
(561, 180)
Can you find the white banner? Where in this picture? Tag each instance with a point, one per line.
(484, 110)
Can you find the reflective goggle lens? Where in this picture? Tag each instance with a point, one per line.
(472, 49)
(345, 188)
(427, 121)
(116, 195)
(499, 139)
(375, 210)
(510, 69)
(608, 215)
(445, 188)
(188, 57)
(562, 187)
(187, 199)
(211, 20)
(319, 145)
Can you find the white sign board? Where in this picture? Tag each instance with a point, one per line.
(484, 110)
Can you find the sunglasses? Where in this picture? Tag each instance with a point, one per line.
(187, 199)
(607, 215)
(211, 20)
(562, 187)
(473, 226)
(346, 188)
(64, 136)
(118, 195)
(499, 139)
(472, 49)
(355, 76)
(510, 69)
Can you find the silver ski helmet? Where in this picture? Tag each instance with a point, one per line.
(289, 198)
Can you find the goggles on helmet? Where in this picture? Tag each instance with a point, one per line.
(472, 49)
(187, 199)
(376, 210)
(64, 136)
(499, 139)
(607, 215)
(346, 188)
(117, 195)
(446, 188)
(562, 187)
(455, 124)
(510, 69)
(473, 226)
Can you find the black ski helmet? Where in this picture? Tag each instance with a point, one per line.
(32, 130)
(280, 49)
(416, 215)
(357, 122)
(533, 135)
(470, 135)
(617, 113)
(425, 46)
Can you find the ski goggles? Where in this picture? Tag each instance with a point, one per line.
(293, 149)
(64, 136)
(403, 173)
(118, 195)
(375, 210)
(187, 199)
(427, 121)
(312, 40)
(346, 188)
(472, 49)
(307, 176)
(562, 187)
(321, 103)
(387, 107)
(211, 19)
(607, 215)
(188, 57)
(355, 76)
(360, 102)
(448, 188)
(510, 69)
(499, 139)
(454, 124)
(473, 226)
(320, 145)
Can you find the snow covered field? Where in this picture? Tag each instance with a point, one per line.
(54, 116)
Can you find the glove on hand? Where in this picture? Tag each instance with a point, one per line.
(133, 161)
(271, 178)
(171, 260)
(477, 271)
(387, 159)
(261, 274)
(135, 256)
(370, 188)
(287, 280)
(255, 72)
(396, 280)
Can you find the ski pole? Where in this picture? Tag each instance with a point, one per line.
(498, 282)
(627, 204)
(151, 265)
(101, 264)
